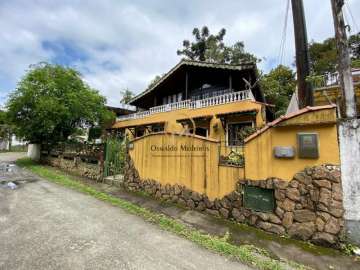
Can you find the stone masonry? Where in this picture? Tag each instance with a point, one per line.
(75, 166)
(309, 207)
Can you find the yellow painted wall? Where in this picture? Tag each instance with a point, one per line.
(196, 170)
(228, 176)
(171, 124)
(326, 116)
(200, 170)
(260, 162)
(324, 96)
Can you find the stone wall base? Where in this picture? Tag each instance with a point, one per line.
(309, 207)
(75, 166)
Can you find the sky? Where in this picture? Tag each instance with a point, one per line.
(118, 44)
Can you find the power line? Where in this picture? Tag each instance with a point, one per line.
(348, 8)
(281, 55)
(347, 22)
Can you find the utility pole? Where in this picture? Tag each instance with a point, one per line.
(349, 130)
(348, 98)
(305, 92)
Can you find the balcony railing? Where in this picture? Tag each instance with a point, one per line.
(196, 104)
(332, 79)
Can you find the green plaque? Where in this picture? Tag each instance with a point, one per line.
(259, 199)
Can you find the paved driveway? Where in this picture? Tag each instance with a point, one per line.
(11, 156)
(46, 226)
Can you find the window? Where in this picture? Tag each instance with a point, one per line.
(172, 98)
(199, 131)
(157, 128)
(207, 91)
(139, 132)
(234, 135)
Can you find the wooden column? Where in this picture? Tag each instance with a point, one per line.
(305, 92)
(186, 85)
(230, 82)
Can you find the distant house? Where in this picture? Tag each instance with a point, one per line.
(208, 99)
(327, 90)
(4, 144)
(93, 134)
(11, 142)
(121, 110)
(4, 133)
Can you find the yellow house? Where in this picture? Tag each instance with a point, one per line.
(211, 100)
(208, 107)
(327, 90)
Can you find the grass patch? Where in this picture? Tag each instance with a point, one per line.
(247, 254)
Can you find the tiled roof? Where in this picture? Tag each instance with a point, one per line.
(242, 66)
(286, 117)
(237, 112)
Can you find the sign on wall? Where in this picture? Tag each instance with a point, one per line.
(308, 145)
(284, 152)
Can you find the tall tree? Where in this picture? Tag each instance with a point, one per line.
(4, 127)
(3, 117)
(278, 86)
(323, 55)
(211, 48)
(155, 80)
(237, 54)
(354, 43)
(51, 102)
(127, 96)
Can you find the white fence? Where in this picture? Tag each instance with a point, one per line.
(196, 104)
(332, 79)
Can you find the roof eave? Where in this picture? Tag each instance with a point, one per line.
(242, 66)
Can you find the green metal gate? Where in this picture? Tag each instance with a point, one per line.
(114, 157)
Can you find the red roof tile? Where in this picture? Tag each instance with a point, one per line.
(286, 117)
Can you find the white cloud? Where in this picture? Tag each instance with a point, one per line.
(127, 43)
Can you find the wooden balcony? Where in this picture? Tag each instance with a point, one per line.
(192, 104)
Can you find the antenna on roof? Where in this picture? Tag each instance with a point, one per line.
(248, 84)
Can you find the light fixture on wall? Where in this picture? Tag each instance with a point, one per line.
(130, 146)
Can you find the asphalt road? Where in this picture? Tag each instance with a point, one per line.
(46, 226)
